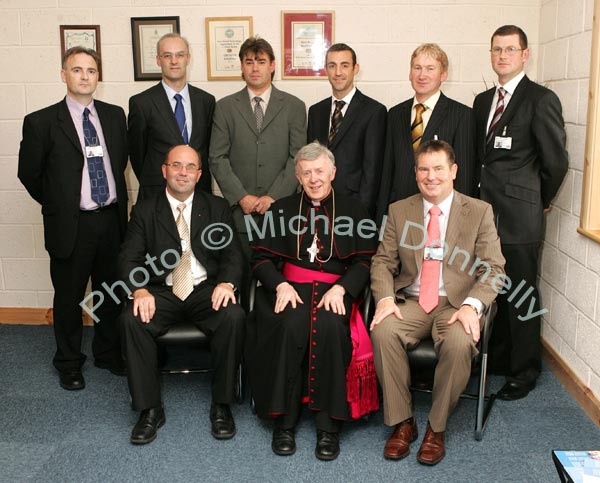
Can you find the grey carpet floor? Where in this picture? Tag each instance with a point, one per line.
(48, 434)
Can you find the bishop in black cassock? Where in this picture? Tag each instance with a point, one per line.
(312, 260)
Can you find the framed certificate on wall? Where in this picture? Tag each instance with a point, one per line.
(145, 33)
(224, 36)
(306, 36)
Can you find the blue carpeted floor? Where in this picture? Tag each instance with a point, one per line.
(48, 434)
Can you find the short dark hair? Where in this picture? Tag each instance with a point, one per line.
(187, 145)
(511, 30)
(80, 50)
(436, 146)
(341, 48)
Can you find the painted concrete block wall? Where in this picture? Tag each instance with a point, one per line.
(570, 271)
(383, 33)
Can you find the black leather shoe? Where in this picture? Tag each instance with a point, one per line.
(328, 445)
(144, 431)
(512, 391)
(284, 442)
(71, 380)
(118, 369)
(222, 423)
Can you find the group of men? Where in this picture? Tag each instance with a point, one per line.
(410, 172)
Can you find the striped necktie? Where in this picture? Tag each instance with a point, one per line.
(183, 282)
(416, 130)
(336, 121)
(497, 115)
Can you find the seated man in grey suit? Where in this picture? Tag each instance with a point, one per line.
(431, 282)
(427, 115)
(176, 273)
(169, 113)
(255, 136)
(352, 125)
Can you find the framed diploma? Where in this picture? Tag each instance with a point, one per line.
(145, 33)
(224, 36)
(306, 37)
(87, 36)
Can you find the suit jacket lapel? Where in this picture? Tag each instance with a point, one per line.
(456, 222)
(437, 116)
(513, 105)
(163, 106)
(404, 136)
(416, 236)
(66, 123)
(200, 217)
(197, 114)
(165, 217)
(322, 110)
(275, 105)
(245, 109)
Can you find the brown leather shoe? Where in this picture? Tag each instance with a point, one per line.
(398, 446)
(432, 449)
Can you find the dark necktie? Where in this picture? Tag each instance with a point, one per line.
(258, 112)
(180, 116)
(336, 120)
(98, 181)
(430, 270)
(497, 115)
(416, 130)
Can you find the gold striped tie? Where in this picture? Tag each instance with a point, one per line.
(183, 282)
(416, 130)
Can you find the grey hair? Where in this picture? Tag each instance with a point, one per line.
(312, 151)
(172, 35)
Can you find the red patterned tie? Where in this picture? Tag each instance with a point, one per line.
(430, 271)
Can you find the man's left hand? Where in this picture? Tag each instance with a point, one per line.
(263, 204)
(469, 320)
(222, 295)
(333, 300)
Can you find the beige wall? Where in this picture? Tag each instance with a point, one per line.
(570, 262)
(383, 35)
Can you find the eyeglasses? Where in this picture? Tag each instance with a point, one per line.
(177, 166)
(170, 55)
(510, 51)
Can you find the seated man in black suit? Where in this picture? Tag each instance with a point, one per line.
(199, 285)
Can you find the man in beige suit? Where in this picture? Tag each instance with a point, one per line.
(431, 281)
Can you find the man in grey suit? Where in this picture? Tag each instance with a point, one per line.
(431, 282)
(256, 133)
(428, 115)
(170, 113)
(521, 146)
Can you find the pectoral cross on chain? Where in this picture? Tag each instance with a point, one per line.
(313, 250)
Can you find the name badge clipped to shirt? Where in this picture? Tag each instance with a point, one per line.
(503, 142)
(433, 253)
(94, 152)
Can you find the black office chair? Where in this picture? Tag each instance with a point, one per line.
(190, 348)
(422, 360)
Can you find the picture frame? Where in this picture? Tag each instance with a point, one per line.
(145, 33)
(224, 37)
(306, 36)
(81, 35)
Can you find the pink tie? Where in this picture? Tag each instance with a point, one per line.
(430, 271)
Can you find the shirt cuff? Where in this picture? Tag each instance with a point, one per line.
(476, 303)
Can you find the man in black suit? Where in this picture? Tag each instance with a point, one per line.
(429, 115)
(521, 147)
(72, 159)
(172, 112)
(355, 132)
(195, 229)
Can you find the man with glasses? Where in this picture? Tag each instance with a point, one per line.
(521, 149)
(172, 112)
(177, 269)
